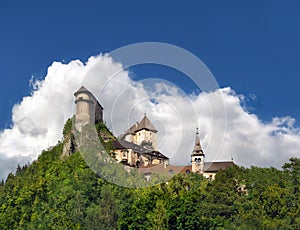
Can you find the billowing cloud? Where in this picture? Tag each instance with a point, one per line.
(38, 120)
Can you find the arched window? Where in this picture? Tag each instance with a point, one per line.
(198, 159)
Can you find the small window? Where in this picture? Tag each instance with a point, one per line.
(80, 98)
(187, 171)
(171, 171)
(198, 159)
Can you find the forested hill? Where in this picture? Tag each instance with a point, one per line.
(63, 193)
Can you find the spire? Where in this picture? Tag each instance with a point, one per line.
(197, 147)
(198, 155)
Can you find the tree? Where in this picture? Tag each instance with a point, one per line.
(293, 170)
(108, 213)
(159, 217)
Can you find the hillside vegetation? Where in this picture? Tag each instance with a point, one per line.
(64, 193)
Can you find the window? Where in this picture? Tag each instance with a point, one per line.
(171, 171)
(197, 160)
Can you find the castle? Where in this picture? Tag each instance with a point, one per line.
(137, 147)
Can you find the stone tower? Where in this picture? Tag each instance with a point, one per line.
(146, 133)
(142, 133)
(198, 156)
(88, 109)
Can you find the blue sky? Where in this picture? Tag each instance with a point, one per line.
(250, 46)
(253, 46)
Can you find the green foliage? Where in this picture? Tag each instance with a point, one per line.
(56, 193)
(68, 127)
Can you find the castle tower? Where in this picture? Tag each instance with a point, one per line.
(198, 155)
(88, 109)
(146, 134)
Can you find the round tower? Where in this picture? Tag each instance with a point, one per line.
(198, 155)
(84, 107)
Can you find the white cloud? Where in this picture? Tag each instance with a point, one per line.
(39, 118)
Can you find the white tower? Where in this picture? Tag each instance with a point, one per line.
(197, 155)
(146, 133)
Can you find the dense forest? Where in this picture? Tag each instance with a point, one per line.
(64, 193)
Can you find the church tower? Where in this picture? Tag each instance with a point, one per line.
(198, 156)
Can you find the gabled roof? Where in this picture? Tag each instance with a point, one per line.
(133, 128)
(217, 166)
(145, 123)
